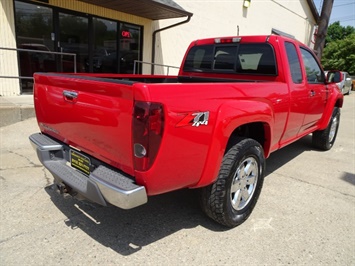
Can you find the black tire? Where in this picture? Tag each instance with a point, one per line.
(324, 139)
(220, 200)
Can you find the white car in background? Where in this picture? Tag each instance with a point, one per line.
(342, 79)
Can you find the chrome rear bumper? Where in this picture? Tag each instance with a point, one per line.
(101, 186)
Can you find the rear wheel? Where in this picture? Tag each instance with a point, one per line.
(231, 199)
(349, 91)
(324, 139)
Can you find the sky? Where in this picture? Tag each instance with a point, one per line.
(343, 11)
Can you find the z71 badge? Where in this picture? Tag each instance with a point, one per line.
(194, 119)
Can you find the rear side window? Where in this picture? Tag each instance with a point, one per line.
(294, 62)
(239, 58)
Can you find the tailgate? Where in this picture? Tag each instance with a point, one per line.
(93, 115)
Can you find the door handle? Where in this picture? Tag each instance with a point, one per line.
(312, 93)
(70, 95)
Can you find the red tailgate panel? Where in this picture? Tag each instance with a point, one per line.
(96, 120)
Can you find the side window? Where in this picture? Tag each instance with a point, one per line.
(294, 62)
(313, 71)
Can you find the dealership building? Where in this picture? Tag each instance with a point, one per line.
(130, 36)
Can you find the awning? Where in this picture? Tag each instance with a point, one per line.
(151, 9)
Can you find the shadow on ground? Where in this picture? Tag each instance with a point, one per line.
(127, 231)
(348, 177)
(287, 154)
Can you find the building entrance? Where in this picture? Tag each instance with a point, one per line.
(101, 45)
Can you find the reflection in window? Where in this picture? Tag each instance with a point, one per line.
(113, 46)
(33, 32)
(74, 39)
(243, 58)
(294, 62)
(225, 57)
(130, 38)
(199, 57)
(313, 71)
(105, 46)
(256, 59)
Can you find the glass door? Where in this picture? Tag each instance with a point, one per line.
(104, 56)
(34, 35)
(130, 44)
(73, 38)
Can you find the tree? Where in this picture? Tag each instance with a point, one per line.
(340, 54)
(338, 32)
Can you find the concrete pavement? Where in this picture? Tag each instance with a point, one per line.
(305, 214)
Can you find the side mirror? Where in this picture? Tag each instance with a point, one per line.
(334, 76)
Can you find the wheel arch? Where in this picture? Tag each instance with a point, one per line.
(335, 100)
(252, 119)
(259, 131)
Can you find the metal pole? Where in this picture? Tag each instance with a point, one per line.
(36, 51)
(159, 30)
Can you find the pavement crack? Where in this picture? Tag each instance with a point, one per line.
(21, 167)
(317, 185)
(26, 158)
(3, 241)
(46, 177)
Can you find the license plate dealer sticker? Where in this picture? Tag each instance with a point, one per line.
(80, 162)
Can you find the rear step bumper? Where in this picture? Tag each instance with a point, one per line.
(101, 186)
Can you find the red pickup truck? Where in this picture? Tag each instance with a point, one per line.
(117, 139)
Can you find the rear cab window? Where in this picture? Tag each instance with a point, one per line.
(247, 58)
(293, 62)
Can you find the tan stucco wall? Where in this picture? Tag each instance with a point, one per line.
(8, 59)
(224, 18)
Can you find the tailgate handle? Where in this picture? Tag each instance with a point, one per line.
(70, 95)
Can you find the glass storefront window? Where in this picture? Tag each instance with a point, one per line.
(105, 46)
(100, 45)
(73, 38)
(130, 38)
(34, 28)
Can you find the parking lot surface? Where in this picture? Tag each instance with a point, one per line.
(305, 214)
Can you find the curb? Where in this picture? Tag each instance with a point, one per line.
(16, 109)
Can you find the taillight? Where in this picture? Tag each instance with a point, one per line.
(148, 127)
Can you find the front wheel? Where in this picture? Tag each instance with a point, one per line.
(324, 139)
(231, 199)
